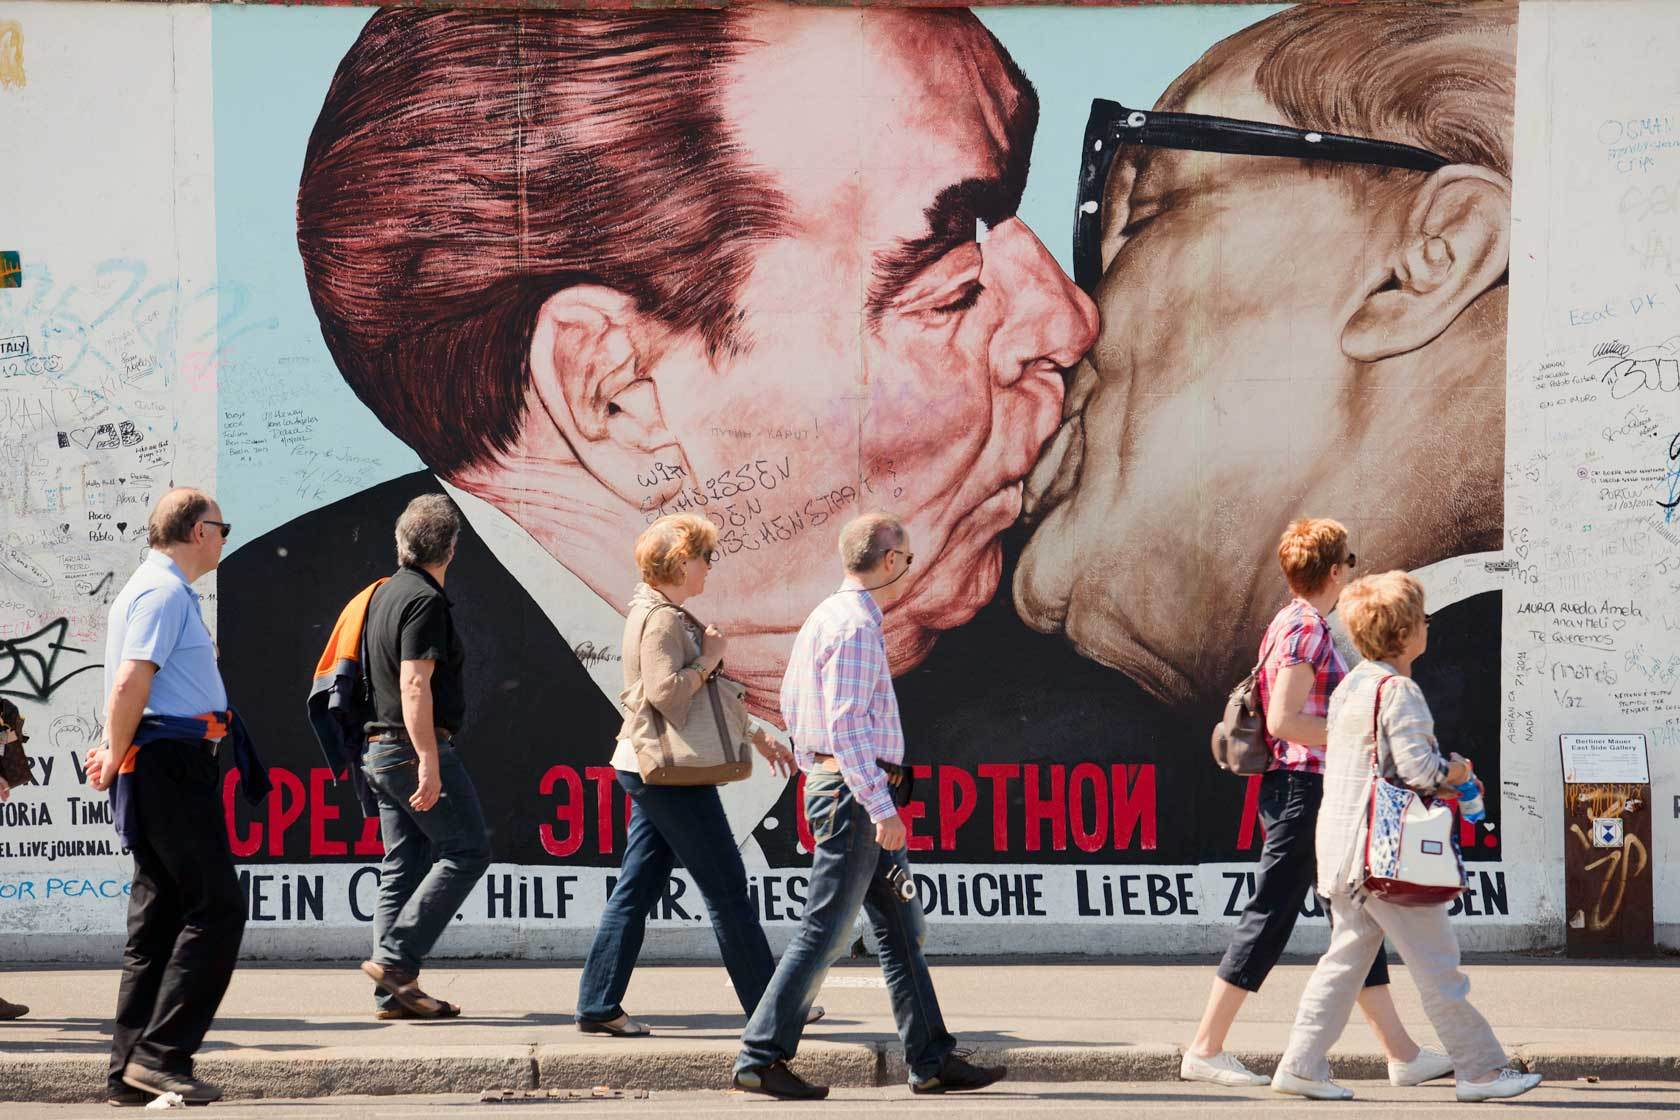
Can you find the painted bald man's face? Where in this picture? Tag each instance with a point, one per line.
(1221, 400)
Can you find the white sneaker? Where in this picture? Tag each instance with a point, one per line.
(1509, 1083)
(1221, 1069)
(1427, 1066)
(1325, 1090)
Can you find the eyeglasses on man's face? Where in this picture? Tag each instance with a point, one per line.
(225, 526)
(909, 557)
(1112, 125)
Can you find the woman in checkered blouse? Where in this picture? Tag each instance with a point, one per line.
(1299, 668)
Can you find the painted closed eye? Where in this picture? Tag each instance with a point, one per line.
(966, 297)
(1136, 225)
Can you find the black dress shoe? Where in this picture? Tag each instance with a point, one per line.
(157, 1083)
(777, 1080)
(958, 1075)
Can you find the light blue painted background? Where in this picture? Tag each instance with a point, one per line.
(272, 66)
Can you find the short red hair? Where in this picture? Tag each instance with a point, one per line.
(1308, 549)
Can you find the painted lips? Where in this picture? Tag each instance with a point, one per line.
(1053, 478)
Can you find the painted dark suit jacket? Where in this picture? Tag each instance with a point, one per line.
(993, 691)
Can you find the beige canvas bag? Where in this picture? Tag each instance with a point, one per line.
(711, 748)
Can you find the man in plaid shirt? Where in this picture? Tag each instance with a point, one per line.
(839, 706)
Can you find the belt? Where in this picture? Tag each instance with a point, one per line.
(442, 733)
(894, 771)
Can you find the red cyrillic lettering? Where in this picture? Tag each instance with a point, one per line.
(1052, 808)
(1134, 806)
(999, 773)
(371, 842)
(807, 841)
(282, 816)
(954, 811)
(1088, 839)
(568, 813)
(1250, 819)
(606, 780)
(915, 811)
(253, 840)
(320, 813)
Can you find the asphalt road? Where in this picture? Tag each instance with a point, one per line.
(1141, 1101)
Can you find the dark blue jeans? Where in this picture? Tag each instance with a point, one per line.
(1289, 802)
(848, 872)
(668, 823)
(432, 859)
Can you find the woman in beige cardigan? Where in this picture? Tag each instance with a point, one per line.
(675, 655)
(1384, 616)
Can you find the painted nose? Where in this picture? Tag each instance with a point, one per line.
(1049, 323)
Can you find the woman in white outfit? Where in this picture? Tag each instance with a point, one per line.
(1384, 616)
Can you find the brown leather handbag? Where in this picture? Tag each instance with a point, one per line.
(14, 763)
(1239, 738)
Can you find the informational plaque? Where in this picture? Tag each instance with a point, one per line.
(1605, 758)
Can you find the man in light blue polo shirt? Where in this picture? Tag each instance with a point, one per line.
(186, 914)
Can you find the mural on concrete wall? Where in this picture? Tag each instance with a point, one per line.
(1096, 300)
(771, 267)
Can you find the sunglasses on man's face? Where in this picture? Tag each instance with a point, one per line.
(225, 526)
(1111, 125)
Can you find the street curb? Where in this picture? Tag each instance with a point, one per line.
(252, 1074)
(1123, 1062)
(1560, 1065)
(700, 1065)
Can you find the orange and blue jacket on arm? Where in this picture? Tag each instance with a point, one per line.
(340, 699)
(215, 726)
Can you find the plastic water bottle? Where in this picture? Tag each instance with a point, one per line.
(1470, 804)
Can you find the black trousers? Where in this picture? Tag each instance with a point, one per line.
(1289, 801)
(186, 914)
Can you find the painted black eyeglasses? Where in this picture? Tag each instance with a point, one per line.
(1111, 124)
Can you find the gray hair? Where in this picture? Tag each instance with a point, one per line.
(426, 531)
(866, 540)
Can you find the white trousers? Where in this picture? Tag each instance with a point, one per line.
(1426, 941)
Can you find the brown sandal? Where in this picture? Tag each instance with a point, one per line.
(403, 988)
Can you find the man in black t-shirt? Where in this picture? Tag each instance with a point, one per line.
(436, 844)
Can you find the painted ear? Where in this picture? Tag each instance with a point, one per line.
(1455, 246)
(590, 362)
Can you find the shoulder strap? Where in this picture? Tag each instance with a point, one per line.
(1376, 728)
(641, 631)
(1266, 644)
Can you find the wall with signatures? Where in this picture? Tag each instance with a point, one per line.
(320, 260)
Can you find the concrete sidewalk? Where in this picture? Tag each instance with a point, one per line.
(295, 1031)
